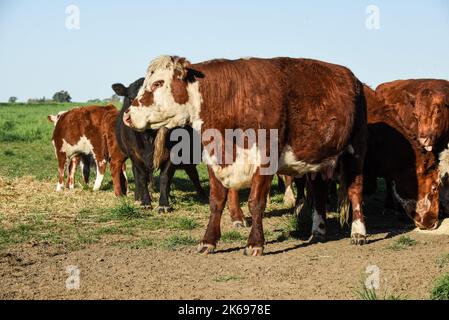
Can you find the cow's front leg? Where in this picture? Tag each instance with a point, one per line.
(257, 202)
(217, 200)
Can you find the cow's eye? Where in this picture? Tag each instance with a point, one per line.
(434, 188)
(158, 83)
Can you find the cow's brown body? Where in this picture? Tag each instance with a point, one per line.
(90, 130)
(393, 153)
(318, 110)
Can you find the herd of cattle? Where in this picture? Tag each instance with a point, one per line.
(330, 128)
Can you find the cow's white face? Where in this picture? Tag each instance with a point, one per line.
(164, 99)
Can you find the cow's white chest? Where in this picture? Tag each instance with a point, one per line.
(239, 174)
(443, 166)
(288, 164)
(83, 146)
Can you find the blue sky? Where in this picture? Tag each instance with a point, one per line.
(116, 40)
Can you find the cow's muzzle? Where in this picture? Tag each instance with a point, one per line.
(127, 119)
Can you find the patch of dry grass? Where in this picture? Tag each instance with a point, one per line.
(32, 211)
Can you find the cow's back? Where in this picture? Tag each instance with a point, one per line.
(325, 104)
(80, 124)
(308, 101)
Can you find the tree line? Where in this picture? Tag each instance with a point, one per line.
(64, 97)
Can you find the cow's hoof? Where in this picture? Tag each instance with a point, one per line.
(147, 206)
(358, 239)
(317, 238)
(253, 251)
(164, 209)
(205, 248)
(238, 224)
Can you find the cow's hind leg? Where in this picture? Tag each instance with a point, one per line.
(118, 178)
(125, 177)
(165, 178)
(72, 171)
(101, 169)
(217, 200)
(62, 160)
(257, 203)
(289, 196)
(86, 163)
(237, 216)
(319, 196)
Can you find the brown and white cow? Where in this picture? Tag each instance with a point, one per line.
(84, 161)
(430, 101)
(86, 131)
(316, 109)
(393, 153)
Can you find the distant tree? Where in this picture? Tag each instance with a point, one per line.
(115, 98)
(12, 100)
(62, 96)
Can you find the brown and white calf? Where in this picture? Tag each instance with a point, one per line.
(84, 161)
(393, 153)
(316, 109)
(86, 131)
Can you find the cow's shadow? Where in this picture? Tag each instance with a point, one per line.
(380, 226)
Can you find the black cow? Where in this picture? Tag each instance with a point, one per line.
(140, 148)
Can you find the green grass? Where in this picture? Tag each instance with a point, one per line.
(142, 243)
(288, 228)
(232, 236)
(442, 261)
(179, 241)
(25, 138)
(183, 223)
(126, 210)
(372, 294)
(402, 243)
(440, 290)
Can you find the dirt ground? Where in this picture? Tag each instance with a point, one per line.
(290, 268)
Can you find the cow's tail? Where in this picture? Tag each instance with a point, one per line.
(161, 153)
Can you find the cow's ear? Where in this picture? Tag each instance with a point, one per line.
(181, 67)
(119, 89)
(52, 118)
